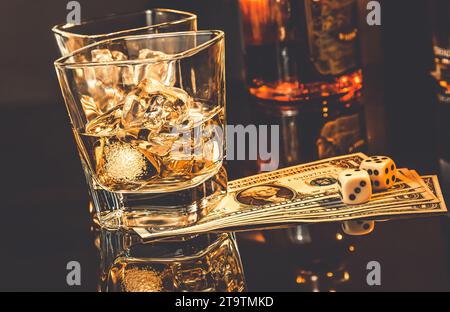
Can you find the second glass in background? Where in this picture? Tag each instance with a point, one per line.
(71, 37)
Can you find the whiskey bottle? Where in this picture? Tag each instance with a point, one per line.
(301, 50)
(441, 46)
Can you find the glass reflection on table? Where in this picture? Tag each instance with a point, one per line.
(209, 262)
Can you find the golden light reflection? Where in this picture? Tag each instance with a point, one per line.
(445, 85)
(339, 236)
(255, 236)
(259, 17)
(91, 207)
(351, 248)
(346, 276)
(300, 280)
(289, 91)
(348, 37)
(330, 274)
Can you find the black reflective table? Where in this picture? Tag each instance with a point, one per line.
(45, 207)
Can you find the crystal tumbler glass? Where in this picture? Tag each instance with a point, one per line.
(148, 116)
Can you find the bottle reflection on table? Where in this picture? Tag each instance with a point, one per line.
(208, 262)
(322, 128)
(328, 128)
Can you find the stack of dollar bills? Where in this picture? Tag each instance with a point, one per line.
(308, 193)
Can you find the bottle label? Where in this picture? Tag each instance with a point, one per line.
(442, 52)
(333, 35)
(442, 69)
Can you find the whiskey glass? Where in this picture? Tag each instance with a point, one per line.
(71, 37)
(148, 116)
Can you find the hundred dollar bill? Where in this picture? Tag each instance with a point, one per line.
(437, 206)
(405, 189)
(315, 195)
(322, 215)
(301, 183)
(425, 209)
(402, 209)
(305, 182)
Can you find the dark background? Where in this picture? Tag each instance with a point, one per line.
(44, 199)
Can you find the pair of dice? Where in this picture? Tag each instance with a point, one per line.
(376, 173)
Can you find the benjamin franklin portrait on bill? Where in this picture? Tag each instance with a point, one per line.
(265, 195)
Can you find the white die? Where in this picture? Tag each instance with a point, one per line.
(382, 171)
(354, 186)
(358, 227)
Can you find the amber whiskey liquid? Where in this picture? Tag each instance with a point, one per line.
(298, 50)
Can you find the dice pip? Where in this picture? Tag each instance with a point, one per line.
(354, 186)
(356, 228)
(382, 171)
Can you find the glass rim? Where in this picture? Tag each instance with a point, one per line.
(63, 63)
(62, 29)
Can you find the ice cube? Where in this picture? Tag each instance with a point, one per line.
(108, 74)
(106, 124)
(154, 106)
(103, 95)
(142, 110)
(142, 280)
(127, 75)
(212, 151)
(101, 55)
(89, 107)
(99, 85)
(109, 97)
(121, 165)
(161, 68)
(162, 143)
(151, 54)
(119, 56)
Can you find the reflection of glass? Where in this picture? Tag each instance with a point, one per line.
(300, 50)
(148, 114)
(71, 37)
(200, 263)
